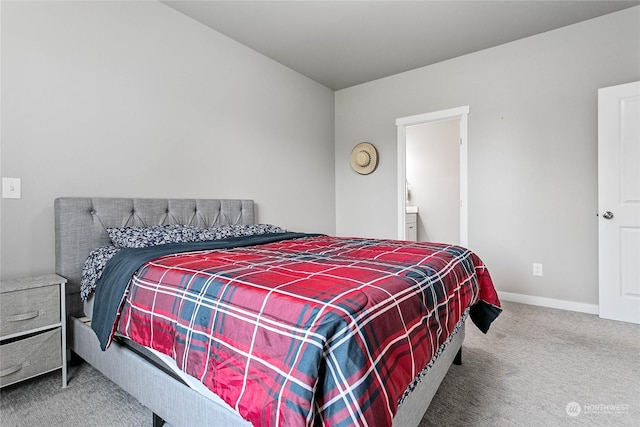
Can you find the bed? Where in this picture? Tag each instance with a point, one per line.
(81, 225)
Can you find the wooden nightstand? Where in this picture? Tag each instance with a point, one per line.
(33, 330)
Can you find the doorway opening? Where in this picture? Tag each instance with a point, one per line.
(408, 129)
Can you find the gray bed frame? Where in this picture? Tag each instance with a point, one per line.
(80, 226)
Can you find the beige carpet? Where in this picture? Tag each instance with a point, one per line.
(532, 365)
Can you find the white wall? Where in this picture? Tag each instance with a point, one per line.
(532, 149)
(134, 99)
(433, 170)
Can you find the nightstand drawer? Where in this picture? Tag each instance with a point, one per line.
(30, 356)
(29, 309)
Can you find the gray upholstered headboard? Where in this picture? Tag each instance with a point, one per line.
(81, 222)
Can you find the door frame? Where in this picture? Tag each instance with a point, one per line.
(402, 124)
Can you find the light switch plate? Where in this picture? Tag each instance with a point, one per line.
(11, 188)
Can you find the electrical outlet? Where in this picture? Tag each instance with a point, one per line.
(11, 188)
(537, 269)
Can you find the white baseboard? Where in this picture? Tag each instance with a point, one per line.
(550, 302)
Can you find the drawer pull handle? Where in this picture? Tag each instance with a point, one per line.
(23, 316)
(10, 370)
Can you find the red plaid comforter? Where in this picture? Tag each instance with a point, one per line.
(311, 331)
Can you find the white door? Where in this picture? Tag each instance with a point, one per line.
(619, 201)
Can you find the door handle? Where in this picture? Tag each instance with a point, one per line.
(607, 215)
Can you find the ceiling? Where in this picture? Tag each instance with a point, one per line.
(345, 43)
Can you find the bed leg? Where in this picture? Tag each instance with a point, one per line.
(157, 421)
(73, 359)
(458, 358)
